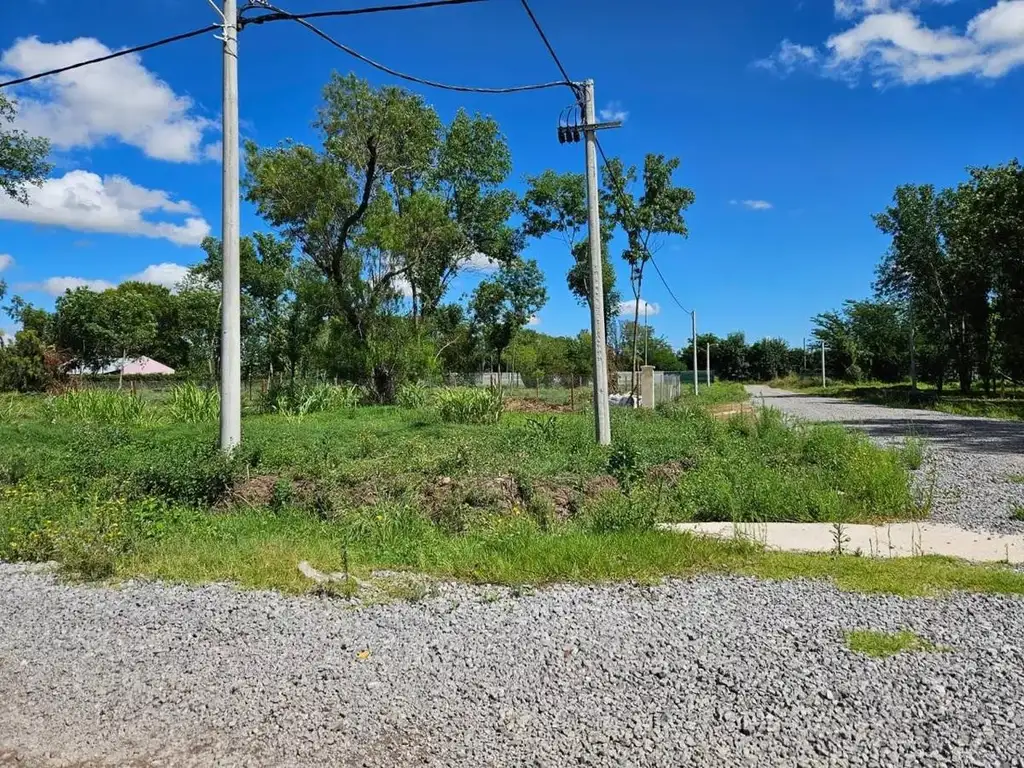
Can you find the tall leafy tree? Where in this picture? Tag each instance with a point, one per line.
(657, 212)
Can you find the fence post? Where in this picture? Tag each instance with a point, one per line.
(647, 386)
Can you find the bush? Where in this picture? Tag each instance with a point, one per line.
(192, 404)
(469, 406)
(193, 475)
(98, 406)
(28, 365)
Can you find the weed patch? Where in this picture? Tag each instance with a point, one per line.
(883, 644)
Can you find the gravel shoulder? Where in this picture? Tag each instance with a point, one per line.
(713, 671)
(969, 461)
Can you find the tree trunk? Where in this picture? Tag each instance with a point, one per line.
(120, 371)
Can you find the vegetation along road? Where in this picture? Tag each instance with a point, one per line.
(972, 473)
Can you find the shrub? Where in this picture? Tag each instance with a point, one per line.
(469, 406)
(98, 406)
(625, 464)
(192, 404)
(28, 365)
(192, 475)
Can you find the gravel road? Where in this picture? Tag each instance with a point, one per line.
(711, 672)
(969, 460)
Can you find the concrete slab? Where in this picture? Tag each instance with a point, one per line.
(894, 540)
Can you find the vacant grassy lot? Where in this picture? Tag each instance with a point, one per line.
(109, 486)
(1000, 404)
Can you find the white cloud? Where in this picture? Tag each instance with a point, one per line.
(6, 260)
(628, 308)
(83, 201)
(168, 275)
(534, 321)
(56, 286)
(614, 111)
(118, 99)
(214, 151)
(788, 57)
(891, 44)
(480, 262)
(754, 205)
(848, 9)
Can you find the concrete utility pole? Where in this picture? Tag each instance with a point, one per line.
(602, 418)
(707, 363)
(913, 349)
(231, 331)
(696, 375)
(823, 382)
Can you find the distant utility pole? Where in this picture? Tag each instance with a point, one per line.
(571, 133)
(231, 332)
(805, 355)
(823, 381)
(646, 332)
(707, 363)
(696, 374)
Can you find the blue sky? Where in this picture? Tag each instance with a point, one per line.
(794, 121)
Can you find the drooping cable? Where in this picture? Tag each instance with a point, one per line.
(412, 78)
(551, 49)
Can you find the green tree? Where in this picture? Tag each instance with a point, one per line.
(22, 157)
(390, 209)
(657, 212)
(768, 359)
(556, 203)
(501, 306)
(27, 365)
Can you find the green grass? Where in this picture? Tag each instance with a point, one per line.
(527, 500)
(1017, 513)
(881, 645)
(1007, 404)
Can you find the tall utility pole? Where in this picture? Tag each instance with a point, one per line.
(696, 375)
(231, 331)
(707, 363)
(602, 418)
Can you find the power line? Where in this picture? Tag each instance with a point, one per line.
(551, 49)
(118, 54)
(283, 15)
(412, 78)
(650, 256)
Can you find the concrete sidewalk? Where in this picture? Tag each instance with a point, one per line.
(894, 540)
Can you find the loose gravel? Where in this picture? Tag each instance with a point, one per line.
(715, 671)
(974, 467)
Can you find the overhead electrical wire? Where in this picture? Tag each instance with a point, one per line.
(558, 62)
(283, 15)
(411, 78)
(116, 55)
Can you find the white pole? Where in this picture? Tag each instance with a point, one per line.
(696, 376)
(602, 421)
(707, 362)
(646, 332)
(823, 383)
(231, 344)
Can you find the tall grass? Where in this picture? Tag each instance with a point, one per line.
(98, 406)
(469, 406)
(298, 400)
(192, 404)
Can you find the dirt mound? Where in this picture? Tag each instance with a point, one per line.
(525, 405)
